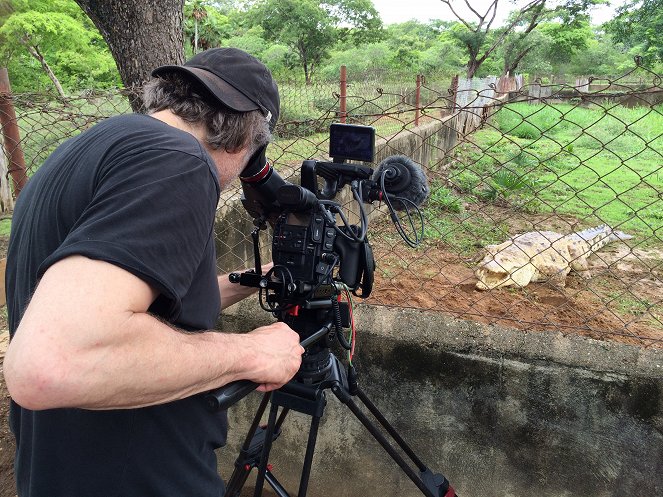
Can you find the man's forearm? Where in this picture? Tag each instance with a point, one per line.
(82, 344)
(231, 293)
(146, 362)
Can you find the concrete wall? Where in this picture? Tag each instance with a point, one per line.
(500, 412)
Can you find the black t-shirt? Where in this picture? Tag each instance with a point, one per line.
(142, 195)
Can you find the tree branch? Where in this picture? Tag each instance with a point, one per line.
(494, 7)
(467, 25)
(533, 4)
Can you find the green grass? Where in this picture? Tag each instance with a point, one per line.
(463, 232)
(602, 164)
(5, 227)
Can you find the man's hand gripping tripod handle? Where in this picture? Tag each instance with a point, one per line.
(222, 398)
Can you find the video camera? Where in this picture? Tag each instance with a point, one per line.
(319, 257)
(316, 251)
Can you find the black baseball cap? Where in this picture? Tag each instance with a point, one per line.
(235, 78)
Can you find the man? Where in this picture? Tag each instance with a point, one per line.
(112, 288)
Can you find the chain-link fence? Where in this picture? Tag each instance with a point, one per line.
(546, 205)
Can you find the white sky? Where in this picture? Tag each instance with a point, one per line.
(394, 11)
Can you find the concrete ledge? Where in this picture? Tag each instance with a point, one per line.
(500, 412)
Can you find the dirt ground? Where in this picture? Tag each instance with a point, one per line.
(621, 302)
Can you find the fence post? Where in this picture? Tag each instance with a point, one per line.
(454, 92)
(12, 139)
(6, 199)
(417, 101)
(343, 97)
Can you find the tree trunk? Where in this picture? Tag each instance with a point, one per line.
(472, 68)
(34, 51)
(195, 35)
(141, 36)
(510, 68)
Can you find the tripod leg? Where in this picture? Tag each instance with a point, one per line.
(440, 487)
(246, 459)
(308, 459)
(260, 479)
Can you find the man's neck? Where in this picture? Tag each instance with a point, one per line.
(169, 117)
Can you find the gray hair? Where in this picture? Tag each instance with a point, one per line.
(226, 129)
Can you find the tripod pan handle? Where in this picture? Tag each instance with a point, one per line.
(222, 398)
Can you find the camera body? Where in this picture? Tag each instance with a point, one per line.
(316, 256)
(308, 242)
(308, 245)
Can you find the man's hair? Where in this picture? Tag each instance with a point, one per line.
(226, 129)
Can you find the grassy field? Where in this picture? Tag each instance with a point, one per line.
(602, 164)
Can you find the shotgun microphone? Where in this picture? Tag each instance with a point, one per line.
(402, 180)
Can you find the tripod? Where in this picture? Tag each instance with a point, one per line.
(321, 371)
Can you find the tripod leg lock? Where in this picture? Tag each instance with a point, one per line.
(437, 484)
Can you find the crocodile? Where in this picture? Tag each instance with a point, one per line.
(542, 256)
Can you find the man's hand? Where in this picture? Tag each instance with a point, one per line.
(278, 355)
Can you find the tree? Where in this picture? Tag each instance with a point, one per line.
(204, 25)
(59, 37)
(475, 35)
(141, 36)
(520, 42)
(639, 23)
(481, 39)
(311, 28)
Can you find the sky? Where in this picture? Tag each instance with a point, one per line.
(393, 11)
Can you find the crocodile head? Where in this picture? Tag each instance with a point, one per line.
(503, 265)
(491, 274)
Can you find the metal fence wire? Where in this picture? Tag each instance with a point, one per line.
(546, 204)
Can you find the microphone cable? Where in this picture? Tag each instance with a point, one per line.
(418, 234)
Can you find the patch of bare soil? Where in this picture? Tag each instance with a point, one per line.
(621, 302)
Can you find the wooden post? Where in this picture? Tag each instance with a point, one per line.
(6, 199)
(454, 92)
(343, 98)
(417, 101)
(11, 135)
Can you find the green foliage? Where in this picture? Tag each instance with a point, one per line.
(639, 24)
(5, 227)
(443, 198)
(311, 29)
(512, 123)
(565, 40)
(463, 232)
(509, 183)
(599, 164)
(60, 32)
(203, 20)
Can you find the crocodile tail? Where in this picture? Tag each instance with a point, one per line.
(599, 236)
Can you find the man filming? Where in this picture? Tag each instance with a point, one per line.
(112, 292)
